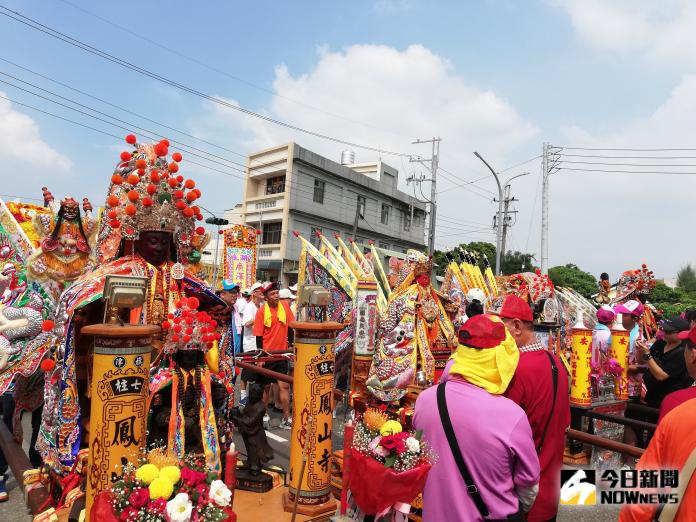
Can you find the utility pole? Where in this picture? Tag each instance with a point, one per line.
(549, 165)
(359, 213)
(434, 161)
(506, 220)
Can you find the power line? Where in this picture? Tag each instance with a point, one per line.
(519, 164)
(625, 157)
(665, 173)
(222, 72)
(629, 164)
(29, 22)
(624, 150)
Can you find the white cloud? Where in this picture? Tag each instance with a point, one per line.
(384, 97)
(604, 220)
(21, 143)
(662, 31)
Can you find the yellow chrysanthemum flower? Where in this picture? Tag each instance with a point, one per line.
(161, 488)
(390, 427)
(171, 473)
(147, 473)
(374, 419)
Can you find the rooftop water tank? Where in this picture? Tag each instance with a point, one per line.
(348, 157)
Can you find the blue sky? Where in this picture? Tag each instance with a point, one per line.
(497, 76)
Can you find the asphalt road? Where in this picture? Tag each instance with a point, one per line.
(15, 509)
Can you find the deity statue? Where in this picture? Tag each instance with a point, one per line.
(148, 230)
(65, 235)
(415, 335)
(184, 395)
(249, 421)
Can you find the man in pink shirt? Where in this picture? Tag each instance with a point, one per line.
(492, 433)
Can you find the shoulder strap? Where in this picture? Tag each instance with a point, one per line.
(685, 476)
(554, 377)
(456, 452)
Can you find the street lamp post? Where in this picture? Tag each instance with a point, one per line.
(498, 234)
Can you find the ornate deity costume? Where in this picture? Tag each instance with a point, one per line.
(637, 284)
(145, 196)
(415, 326)
(65, 251)
(184, 395)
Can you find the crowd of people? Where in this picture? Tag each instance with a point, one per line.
(258, 321)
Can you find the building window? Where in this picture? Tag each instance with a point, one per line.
(407, 219)
(417, 218)
(385, 214)
(271, 233)
(275, 185)
(319, 191)
(315, 237)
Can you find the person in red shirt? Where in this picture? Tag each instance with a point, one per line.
(273, 336)
(674, 399)
(533, 389)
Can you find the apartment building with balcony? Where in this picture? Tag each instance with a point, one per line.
(290, 188)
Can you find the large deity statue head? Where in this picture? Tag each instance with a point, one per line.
(147, 201)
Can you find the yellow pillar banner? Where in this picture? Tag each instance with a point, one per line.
(118, 413)
(581, 355)
(620, 341)
(313, 419)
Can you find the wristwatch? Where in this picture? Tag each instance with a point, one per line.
(647, 356)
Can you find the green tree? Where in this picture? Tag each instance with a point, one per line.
(573, 277)
(517, 262)
(686, 279)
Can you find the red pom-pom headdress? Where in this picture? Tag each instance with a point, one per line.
(188, 328)
(147, 195)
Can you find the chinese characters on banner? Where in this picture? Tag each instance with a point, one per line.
(240, 255)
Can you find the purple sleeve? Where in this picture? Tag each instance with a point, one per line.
(526, 466)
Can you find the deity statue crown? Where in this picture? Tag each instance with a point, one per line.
(147, 194)
(188, 328)
(422, 264)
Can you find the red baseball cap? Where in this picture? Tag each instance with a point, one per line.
(688, 334)
(516, 308)
(482, 332)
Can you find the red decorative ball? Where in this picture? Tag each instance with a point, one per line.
(196, 209)
(133, 179)
(213, 324)
(115, 223)
(177, 156)
(173, 167)
(154, 176)
(116, 179)
(165, 141)
(151, 189)
(193, 302)
(179, 303)
(184, 237)
(48, 364)
(140, 164)
(161, 149)
(112, 214)
(131, 210)
(189, 331)
(113, 201)
(188, 212)
(200, 231)
(48, 325)
(178, 194)
(187, 338)
(191, 197)
(177, 320)
(131, 139)
(170, 316)
(126, 156)
(189, 320)
(180, 178)
(172, 182)
(189, 184)
(133, 195)
(180, 205)
(199, 217)
(166, 325)
(147, 202)
(175, 338)
(220, 232)
(177, 328)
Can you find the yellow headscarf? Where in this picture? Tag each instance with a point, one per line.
(489, 368)
(267, 314)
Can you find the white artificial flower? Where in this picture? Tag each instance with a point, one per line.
(220, 493)
(179, 508)
(413, 445)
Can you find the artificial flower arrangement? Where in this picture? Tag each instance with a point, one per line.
(159, 490)
(388, 465)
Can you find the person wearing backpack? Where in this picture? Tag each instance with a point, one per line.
(487, 466)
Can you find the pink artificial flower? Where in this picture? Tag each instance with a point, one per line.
(139, 497)
(191, 477)
(203, 490)
(159, 506)
(130, 513)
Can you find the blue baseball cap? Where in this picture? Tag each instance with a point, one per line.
(228, 284)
